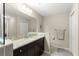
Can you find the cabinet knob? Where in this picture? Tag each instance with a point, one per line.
(20, 50)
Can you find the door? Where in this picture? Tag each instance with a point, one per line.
(74, 32)
(70, 31)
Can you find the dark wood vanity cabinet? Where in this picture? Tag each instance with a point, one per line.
(35, 48)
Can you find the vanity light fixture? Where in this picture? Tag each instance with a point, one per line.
(23, 8)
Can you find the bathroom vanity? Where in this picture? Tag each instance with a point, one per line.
(33, 46)
(27, 46)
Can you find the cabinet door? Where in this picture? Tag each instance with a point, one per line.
(31, 51)
(36, 50)
(18, 52)
(40, 43)
(25, 48)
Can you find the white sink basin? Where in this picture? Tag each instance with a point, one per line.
(30, 35)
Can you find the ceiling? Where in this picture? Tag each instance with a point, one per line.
(46, 9)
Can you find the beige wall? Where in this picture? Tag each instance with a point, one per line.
(50, 23)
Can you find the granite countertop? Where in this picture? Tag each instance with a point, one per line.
(23, 41)
(7, 42)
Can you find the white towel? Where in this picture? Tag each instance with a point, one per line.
(60, 34)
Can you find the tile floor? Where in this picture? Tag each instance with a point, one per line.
(59, 52)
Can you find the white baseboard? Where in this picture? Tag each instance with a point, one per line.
(58, 47)
(62, 48)
(65, 49)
